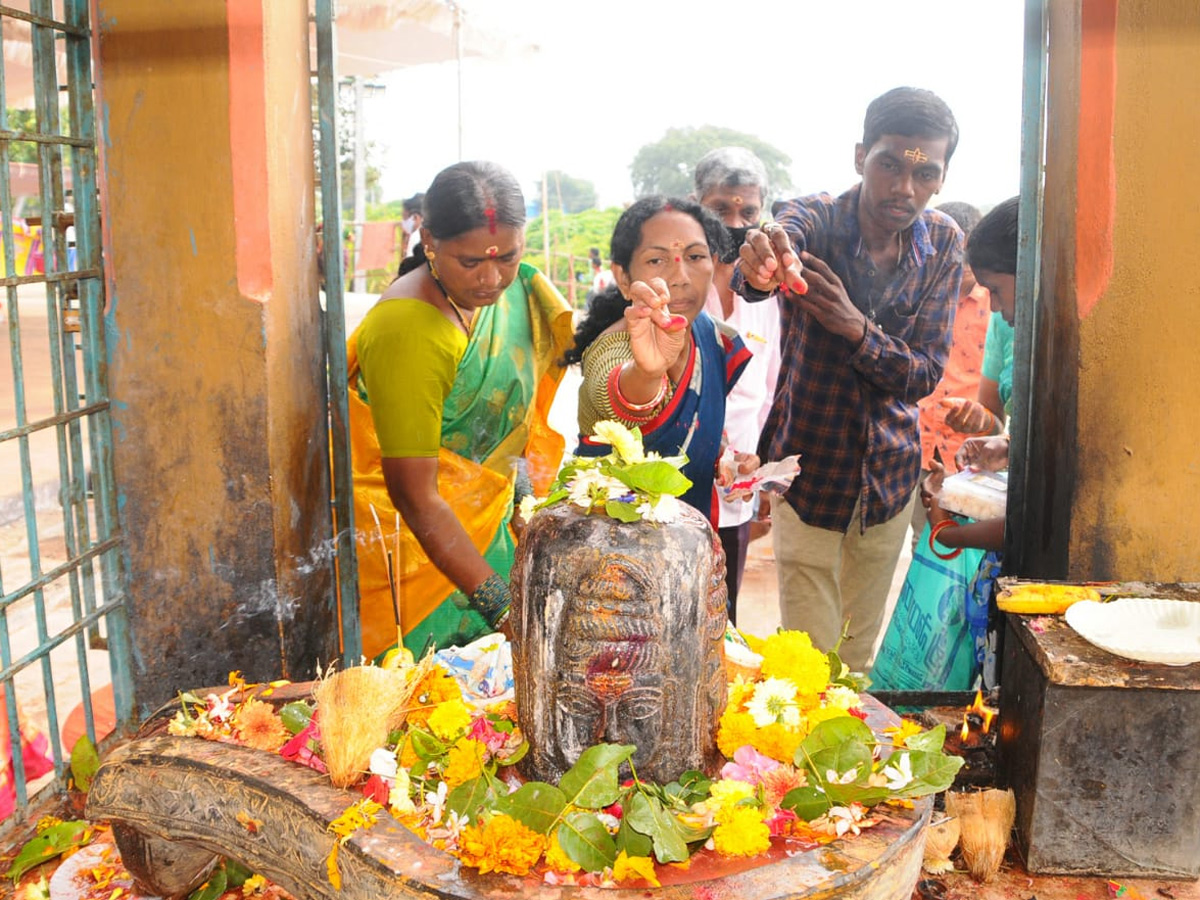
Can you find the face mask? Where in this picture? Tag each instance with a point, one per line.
(409, 224)
(737, 235)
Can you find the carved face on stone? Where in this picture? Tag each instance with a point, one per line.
(613, 681)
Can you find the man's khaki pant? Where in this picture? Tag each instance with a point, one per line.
(826, 577)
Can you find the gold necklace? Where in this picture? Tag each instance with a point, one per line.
(458, 313)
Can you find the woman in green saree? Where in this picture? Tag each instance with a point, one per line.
(451, 376)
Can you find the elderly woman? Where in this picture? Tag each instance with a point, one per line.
(732, 182)
(451, 376)
(651, 357)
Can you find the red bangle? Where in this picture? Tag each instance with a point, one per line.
(935, 531)
(640, 410)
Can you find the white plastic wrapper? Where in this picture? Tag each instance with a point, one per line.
(774, 477)
(975, 493)
(483, 668)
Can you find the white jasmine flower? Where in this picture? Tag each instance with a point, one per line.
(847, 777)
(383, 763)
(592, 481)
(899, 776)
(774, 701)
(665, 509)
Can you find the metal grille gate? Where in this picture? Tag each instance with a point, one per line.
(63, 636)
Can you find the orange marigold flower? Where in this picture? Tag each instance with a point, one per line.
(777, 741)
(501, 845)
(408, 754)
(633, 868)
(436, 687)
(741, 832)
(464, 762)
(736, 729)
(791, 655)
(257, 725)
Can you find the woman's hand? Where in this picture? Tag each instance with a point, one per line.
(990, 453)
(970, 417)
(656, 337)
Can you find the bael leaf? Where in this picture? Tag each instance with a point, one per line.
(50, 843)
(425, 745)
(592, 782)
(834, 732)
(807, 802)
(296, 716)
(84, 763)
(647, 815)
(468, 797)
(216, 885)
(654, 477)
(932, 740)
(622, 511)
(586, 841)
(633, 842)
(534, 804)
(932, 773)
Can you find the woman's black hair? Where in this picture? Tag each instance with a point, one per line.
(466, 196)
(608, 306)
(993, 243)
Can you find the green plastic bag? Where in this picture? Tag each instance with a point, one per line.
(928, 645)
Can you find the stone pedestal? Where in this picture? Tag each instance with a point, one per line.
(618, 638)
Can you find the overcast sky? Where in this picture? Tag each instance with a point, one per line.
(796, 73)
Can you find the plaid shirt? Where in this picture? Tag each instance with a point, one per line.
(851, 412)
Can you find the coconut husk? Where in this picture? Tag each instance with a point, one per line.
(986, 821)
(940, 840)
(358, 708)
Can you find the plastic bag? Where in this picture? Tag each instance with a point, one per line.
(928, 645)
(976, 493)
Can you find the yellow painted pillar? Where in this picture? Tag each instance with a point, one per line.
(217, 370)
(1114, 465)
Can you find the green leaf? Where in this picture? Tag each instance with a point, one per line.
(806, 802)
(50, 843)
(296, 716)
(844, 758)
(932, 773)
(235, 873)
(633, 842)
(84, 763)
(647, 815)
(622, 511)
(515, 757)
(832, 733)
(425, 745)
(468, 797)
(216, 885)
(694, 785)
(931, 741)
(654, 477)
(592, 782)
(534, 804)
(585, 840)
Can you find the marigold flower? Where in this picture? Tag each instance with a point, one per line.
(450, 719)
(436, 687)
(824, 714)
(257, 725)
(740, 690)
(791, 655)
(557, 859)
(777, 742)
(630, 868)
(736, 729)
(741, 831)
(501, 845)
(464, 762)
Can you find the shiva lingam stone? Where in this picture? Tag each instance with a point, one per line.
(618, 638)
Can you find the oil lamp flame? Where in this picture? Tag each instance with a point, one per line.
(985, 714)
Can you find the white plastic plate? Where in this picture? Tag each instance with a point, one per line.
(1148, 629)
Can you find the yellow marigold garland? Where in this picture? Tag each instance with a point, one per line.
(464, 762)
(791, 655)
(741, 831)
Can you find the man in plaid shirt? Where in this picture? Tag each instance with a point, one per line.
(869, 282)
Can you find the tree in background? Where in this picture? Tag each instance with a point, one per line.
(567, 194)
(571, 235)
(667, 166)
